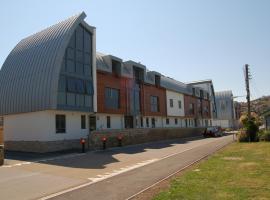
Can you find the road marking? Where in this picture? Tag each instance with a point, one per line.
(44, 160)
(94, 180)
(183, 168)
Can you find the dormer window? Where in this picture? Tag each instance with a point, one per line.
(157, 80)
(138, 75)
(116, 67)
(193, 92)
(201, 93)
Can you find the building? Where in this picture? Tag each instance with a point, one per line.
(225, 109)
(48, 86)
(208, 86)
(55, 89)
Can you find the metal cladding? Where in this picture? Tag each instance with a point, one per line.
(29, 76)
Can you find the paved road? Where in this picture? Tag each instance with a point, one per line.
(113, 174)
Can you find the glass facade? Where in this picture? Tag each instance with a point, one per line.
(154, 104)
(112, 98)
(75, 86)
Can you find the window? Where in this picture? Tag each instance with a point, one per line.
(191, 108)
(171, 103)
(71, 99)
(80, 86)
(79, 100)
(176, 121)
(147, 122)
(157, 80)
(207, 96)
(179, 104)
(89, 87)
(83, 122)
(201, 93)
(108, 122)
(62, 84)
(141, 122)
(60, 122)
(167, 121)
(112, 98)
(71, 85)
(153, 123)
(154, 104)
(193, 92)
(137, 105)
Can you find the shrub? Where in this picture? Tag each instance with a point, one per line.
(264, 135)
(242, 136)
(251, 130)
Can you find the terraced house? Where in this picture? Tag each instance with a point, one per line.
(55, 89)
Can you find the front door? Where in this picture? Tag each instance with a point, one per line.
(128, 122)
(92, 123)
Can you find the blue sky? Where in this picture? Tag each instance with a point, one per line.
(184, 39)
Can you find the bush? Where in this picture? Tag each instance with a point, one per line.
(251, 129)
(264, 135)
(242, 136)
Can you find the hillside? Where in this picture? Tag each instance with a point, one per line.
(258, 105)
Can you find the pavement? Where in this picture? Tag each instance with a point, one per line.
(117, 173)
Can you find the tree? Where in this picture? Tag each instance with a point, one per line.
(251, 126)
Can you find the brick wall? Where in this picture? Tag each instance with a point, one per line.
(206, 103)
(113, 81)
(188, 100)
(146, 93)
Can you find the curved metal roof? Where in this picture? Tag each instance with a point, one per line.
(29, 76)
(224, 94)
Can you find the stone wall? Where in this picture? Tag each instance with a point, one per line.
(129, 137)
(137, 136)
(42, 146)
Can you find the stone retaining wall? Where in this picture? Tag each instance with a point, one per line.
(42, 147)
(129, 137)
(138, 136)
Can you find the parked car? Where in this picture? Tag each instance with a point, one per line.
(214, 131)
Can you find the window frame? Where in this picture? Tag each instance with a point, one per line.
(60, 124)
(83, 122)
(108, 121)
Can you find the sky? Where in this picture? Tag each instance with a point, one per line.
(187, 40)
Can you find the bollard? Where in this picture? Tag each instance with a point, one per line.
(120, 138)
(104, 140)
(82, 141)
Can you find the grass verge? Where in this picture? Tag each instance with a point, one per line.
(240, 171)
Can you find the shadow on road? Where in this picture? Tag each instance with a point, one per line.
(92, 159)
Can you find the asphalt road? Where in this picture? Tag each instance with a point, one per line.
(112, 174)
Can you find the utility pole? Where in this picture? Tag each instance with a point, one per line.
(247, 77)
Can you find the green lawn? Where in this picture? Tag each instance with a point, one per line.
(240, 171)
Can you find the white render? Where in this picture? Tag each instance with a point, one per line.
(175, 110)
(40, 126)
(158, 122)
(117, 121)
(180, 122)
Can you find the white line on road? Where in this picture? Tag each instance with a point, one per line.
(172, 174)
(45, 160)
(115, 173)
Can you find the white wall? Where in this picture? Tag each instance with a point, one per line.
(172, 122)
(117, 121)
(175, 110)
(222, 123)
(40, 126)
(158, 121)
